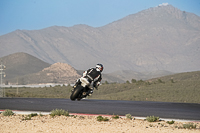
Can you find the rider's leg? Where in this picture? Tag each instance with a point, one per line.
(90, 92)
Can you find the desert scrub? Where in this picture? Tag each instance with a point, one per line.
(41, 114)
(189, 126)
(128, 116)
(170, 122)
(7, 112)
(150, 125)
(115, 116)
(33, 114)
(100, 118)
(152, 118)
(28, 117)
(59, 112)
(161, 124)
(81, 117)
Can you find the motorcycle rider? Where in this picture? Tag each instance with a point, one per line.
(93, 76)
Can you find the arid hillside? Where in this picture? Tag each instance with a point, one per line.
(19, 64)
(158, 38)
(22, 68)
(58, 73)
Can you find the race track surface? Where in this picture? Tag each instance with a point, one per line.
(185, 111)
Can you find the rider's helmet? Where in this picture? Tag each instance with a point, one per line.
(99, 67)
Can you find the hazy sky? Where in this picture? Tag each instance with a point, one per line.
(39, 14)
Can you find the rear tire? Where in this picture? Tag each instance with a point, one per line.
(75, 94)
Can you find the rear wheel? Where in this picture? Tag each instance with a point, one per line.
(77, 91)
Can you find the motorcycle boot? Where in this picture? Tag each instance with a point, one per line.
(90, 92)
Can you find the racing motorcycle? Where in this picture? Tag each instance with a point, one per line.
(81, 90)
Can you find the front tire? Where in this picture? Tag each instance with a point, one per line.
(75, 94)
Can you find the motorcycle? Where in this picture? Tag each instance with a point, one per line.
(81, 90)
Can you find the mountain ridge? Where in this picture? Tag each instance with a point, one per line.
(158, 38)
(23, 68)
(19, 64)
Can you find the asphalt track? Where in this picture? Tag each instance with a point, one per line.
(182, 111)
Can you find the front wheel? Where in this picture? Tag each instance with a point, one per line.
(76, 93)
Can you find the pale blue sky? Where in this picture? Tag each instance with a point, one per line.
(39, 14)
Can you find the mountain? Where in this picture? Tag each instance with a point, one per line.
(159, 38)
(125, 75)
(60, 73)
(191, 79)
(20, 64)
(22, 68)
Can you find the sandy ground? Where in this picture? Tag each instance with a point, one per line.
(87, 124)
